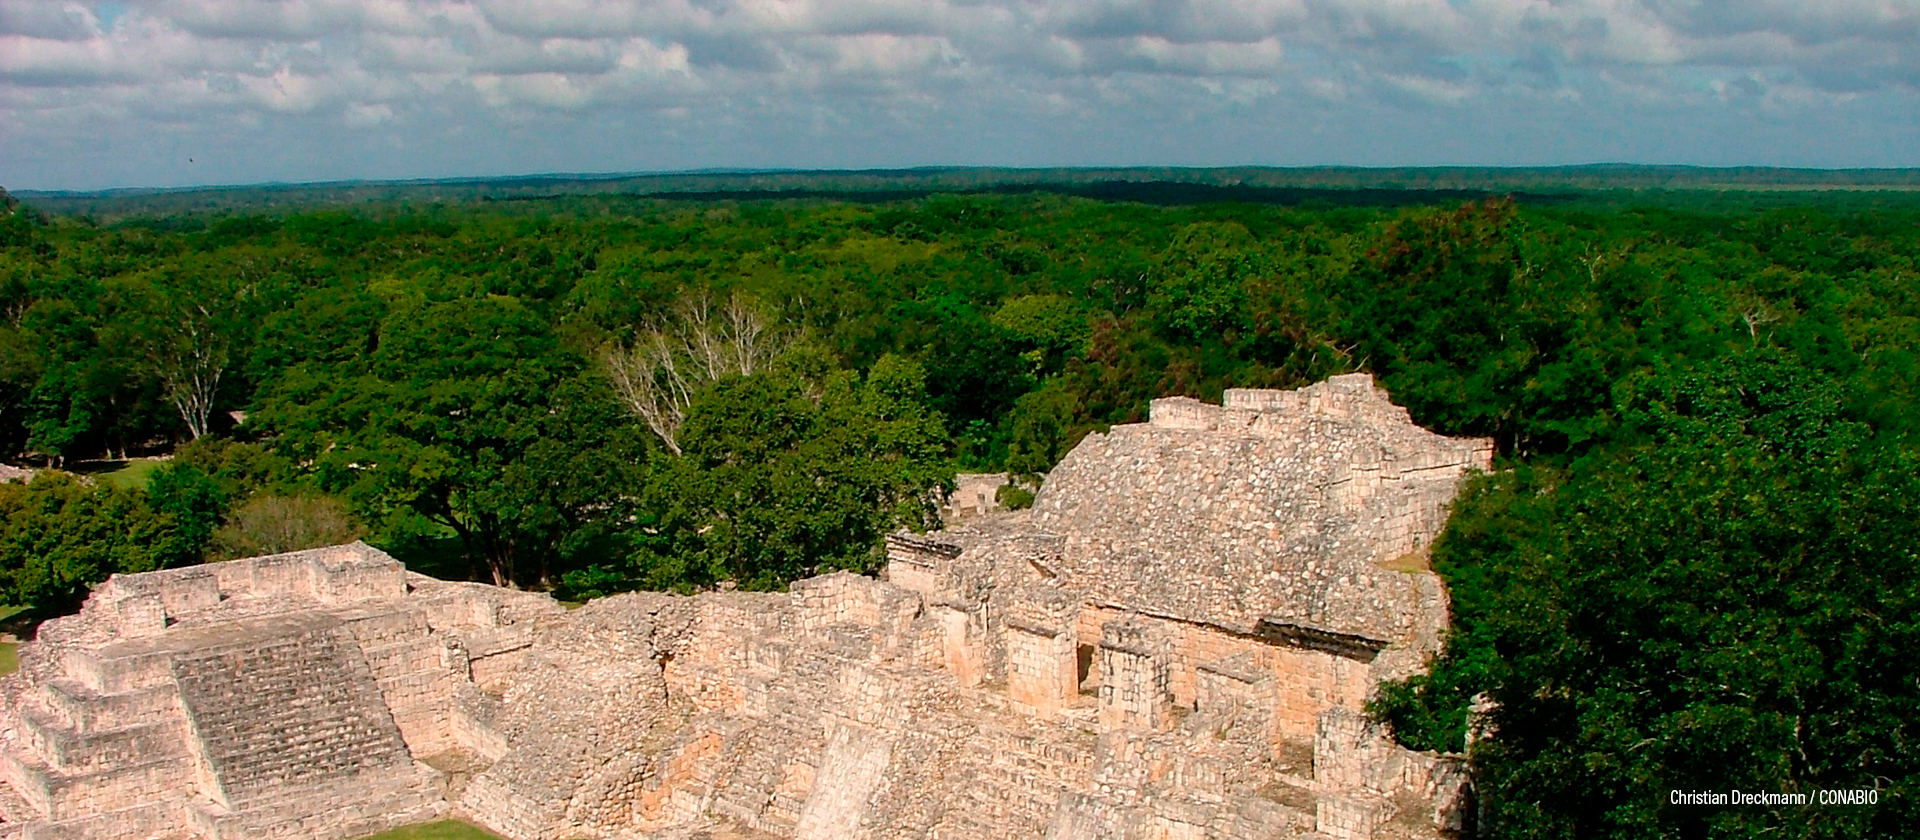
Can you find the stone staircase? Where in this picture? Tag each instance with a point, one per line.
(286, 711)
(992, 796)
(298, 742)
(354, 808)
(93, 758)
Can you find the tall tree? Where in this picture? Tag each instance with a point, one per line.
(777, 484)
(669, 363)
(188, 320)
(472, 416)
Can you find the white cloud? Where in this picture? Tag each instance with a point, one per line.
(56, 21)
(386, 67)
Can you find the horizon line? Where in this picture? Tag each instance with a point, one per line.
(457, 180)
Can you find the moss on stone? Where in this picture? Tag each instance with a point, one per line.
(442, 830)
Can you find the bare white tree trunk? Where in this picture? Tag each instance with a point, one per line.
(658, 377)
(190, 372)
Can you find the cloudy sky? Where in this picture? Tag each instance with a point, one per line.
(176, 92)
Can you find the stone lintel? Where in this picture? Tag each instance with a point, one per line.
(912, 542)
(1351, 646)
(1033, 628)
(1238, 671)
(1131, 650)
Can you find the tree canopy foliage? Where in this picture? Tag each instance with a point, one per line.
(1695, 567)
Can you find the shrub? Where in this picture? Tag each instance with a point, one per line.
(276, 524)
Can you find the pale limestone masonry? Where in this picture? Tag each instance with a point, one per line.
(276, 697)
(974, 494)
(1175, 644)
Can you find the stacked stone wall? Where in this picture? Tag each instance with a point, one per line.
(286, 711)
(1230, 515)
(1042, 667)
(276, 697)
(1174, 645)
(1305, 683)
(1135, 687)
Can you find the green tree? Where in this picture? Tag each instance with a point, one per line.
(60, 536)
(194, 503)
(1050, 328)
(1723, 605)
(1198, 290)
(468, 415)
(777, 484)
(1045, 426)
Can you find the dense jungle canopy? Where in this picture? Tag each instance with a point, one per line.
(1696, 565)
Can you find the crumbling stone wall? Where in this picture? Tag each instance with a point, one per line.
(975, 494)
(1279, 507)
(285, 696)
(1175, 643)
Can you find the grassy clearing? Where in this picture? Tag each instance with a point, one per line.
(1413, 562)
(130, 474)
(134, 474)
(9, 649)
(442, 830)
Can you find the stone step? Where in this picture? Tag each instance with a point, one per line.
(61, 796)
(344, 809)
(78, 708)
(288, 711)
(14, 809)
(69, 751)
(149, 821)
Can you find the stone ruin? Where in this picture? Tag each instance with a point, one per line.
(1175, 643)
(288, 696)
(974, 494)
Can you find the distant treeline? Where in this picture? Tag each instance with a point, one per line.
(1697, 565)
(1607, 184)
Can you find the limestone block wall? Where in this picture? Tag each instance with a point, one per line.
(1362, 768)
(1041, 667)
(1304, 683)
(847, 598)
(1281, 503)
(415, 673)
(1176, 643)
(590, 692)
(975, 494)
(1135, 690)
(962, 650)
(282, 696)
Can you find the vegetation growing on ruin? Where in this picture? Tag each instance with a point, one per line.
(442, 830)
(1697, 567)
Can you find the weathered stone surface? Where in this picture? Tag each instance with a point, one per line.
(275, 697)
(974, 494)
(1175, 643)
